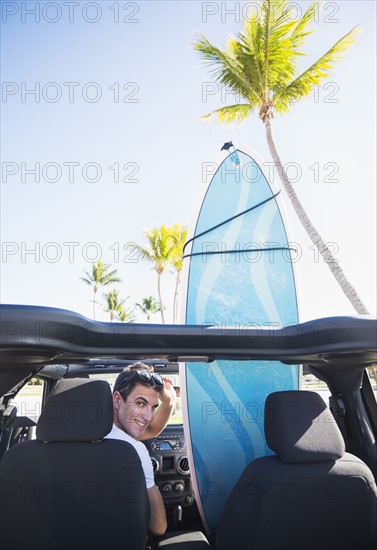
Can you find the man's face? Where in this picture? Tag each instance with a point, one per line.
(137, 412)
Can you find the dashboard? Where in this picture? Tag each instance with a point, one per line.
(168, 453)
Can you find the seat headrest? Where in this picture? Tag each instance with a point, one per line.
(77, 409)
(300, 428)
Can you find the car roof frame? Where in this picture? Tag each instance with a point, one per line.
(35, 336)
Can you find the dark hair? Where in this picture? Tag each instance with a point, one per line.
(125, 392)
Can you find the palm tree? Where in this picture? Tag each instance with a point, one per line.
(149, 306)
(180, 236)
(158, 251)
(260, 65)
(115, 307)
(125, 314)
(100, 276)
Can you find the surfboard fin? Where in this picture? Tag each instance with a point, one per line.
(228, 146)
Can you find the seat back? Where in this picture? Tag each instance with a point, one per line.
(311, 494)
(70, 488)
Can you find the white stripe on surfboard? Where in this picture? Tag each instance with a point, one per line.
(214, 267)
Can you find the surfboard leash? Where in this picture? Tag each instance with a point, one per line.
(227, 221)
(238, 251)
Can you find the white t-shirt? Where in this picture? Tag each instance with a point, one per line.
(141, 449)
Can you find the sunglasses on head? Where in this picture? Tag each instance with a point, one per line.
(149, 377)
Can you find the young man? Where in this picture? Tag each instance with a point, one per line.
(138, 416)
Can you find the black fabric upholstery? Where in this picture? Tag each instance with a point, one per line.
(78, 409)
(300, 428)
(74, 495)
(318, 505)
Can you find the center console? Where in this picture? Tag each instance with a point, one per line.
(171, 466)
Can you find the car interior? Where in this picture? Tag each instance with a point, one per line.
(64, 486)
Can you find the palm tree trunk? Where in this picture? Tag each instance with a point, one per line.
(159, 296)
(175, 303)
(315, 237)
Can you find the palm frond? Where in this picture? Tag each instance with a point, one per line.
(149, 305)
(260, 64)
(227, 69)
(179, 233)
(252, 52)
(232, 113)
(301, 30)
(125, 314)
(277, 59)
(159, 248)
(100, 275)
(110, 278)
(145, 254)
(321, 69)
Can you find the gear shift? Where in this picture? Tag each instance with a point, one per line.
(178, 514)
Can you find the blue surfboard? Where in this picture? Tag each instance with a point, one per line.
(240, 275)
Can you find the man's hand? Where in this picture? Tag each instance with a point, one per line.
(168, 398)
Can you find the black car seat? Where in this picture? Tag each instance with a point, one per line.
(311, 495)
(70, 488)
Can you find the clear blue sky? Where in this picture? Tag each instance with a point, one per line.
(118, 91)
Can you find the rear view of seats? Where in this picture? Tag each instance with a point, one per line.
(311, 495)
